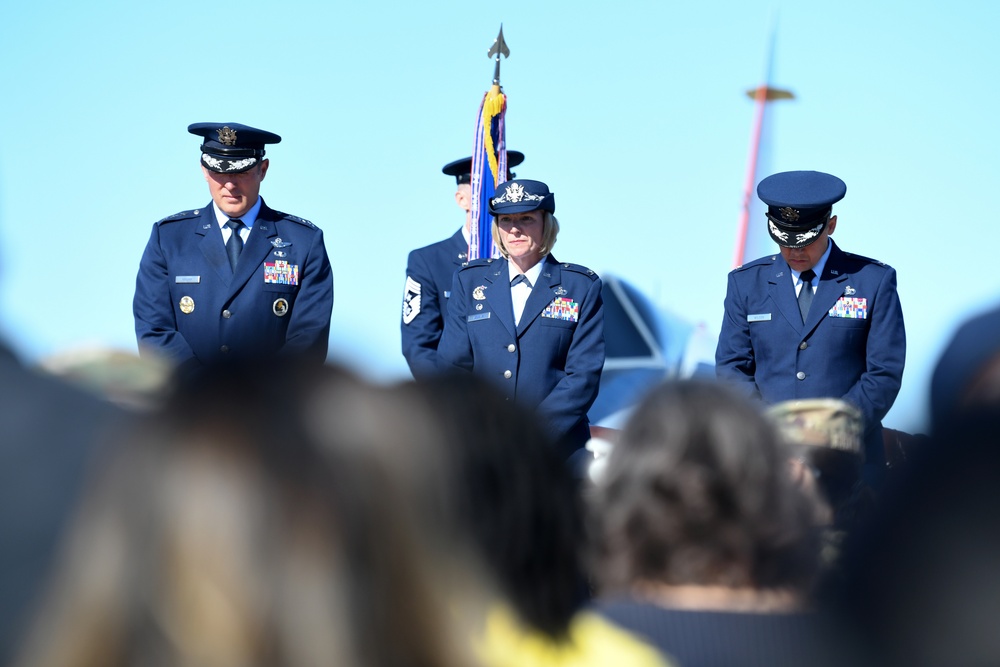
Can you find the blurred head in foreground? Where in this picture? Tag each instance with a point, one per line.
(921, 585)
(825, 437)
(518, 504)
(265, 517)
(697, 494)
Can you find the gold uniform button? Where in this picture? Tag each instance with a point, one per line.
(507, 374)
(226, 314)
(803, 345)
(800, 375)
(511, 348)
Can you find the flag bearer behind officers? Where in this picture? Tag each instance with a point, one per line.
(531, 325)
(429, 271)
(205, 292)
(849, 343)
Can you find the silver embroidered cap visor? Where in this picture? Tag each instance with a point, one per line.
(795, 237)
(227, 165)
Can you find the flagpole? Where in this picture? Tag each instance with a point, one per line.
(761, 95)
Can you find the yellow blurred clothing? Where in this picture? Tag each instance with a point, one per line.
(592, 641)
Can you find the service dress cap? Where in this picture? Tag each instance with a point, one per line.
(522, 196)
(799, 205)
(462, 169)
(231, 148)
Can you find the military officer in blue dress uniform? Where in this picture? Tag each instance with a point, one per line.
(234, 279)
(429, 271)
(814, 321)
(528, 323)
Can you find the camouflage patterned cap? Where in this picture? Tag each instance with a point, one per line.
(820, 422)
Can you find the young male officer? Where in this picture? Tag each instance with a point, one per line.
(814, 321)
(234, 279)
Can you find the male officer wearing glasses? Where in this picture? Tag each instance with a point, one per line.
(234, 279)
(814, 321)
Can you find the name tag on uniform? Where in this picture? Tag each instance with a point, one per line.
(477, 317)
(759, 317)
(187, 279)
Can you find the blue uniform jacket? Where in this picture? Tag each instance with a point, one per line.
(185, 268)
(852, 345)
(429, 272)
(551, 362)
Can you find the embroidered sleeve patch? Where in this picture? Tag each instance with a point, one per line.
(281, 273)
(411, 300)
(855, 308)
(562, 308)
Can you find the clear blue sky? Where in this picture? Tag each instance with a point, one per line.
(633, 112)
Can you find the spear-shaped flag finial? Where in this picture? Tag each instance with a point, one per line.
(499, 47)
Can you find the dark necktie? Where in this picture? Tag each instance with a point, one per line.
(806, 292)
(520, 278)
(234, 246)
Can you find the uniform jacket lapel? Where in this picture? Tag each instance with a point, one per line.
(461, 249)
(210, 242)
(541, 293)
(783, 293)
(498, 295)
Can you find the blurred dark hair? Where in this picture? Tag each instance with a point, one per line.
(697, 492)
(261, 519)
(920, 585)
(838, 478)
(514, 497)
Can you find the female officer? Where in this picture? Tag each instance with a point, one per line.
(530, 324)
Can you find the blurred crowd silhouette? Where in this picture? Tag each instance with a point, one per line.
(282, 514)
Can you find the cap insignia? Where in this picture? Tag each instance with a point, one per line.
(514, 193)
(788, 213)
(227, 136)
